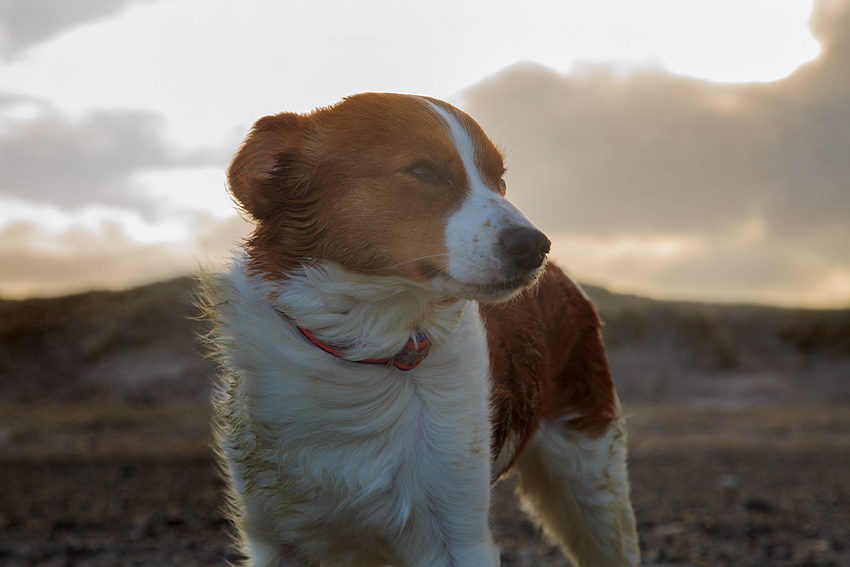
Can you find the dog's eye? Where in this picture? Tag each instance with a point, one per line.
(426, 172)
(503, 187)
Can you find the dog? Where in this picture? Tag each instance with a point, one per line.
(392, 341)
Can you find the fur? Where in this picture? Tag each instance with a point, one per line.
(377, 219)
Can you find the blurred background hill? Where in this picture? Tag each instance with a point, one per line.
(140, 346)
(137, 345)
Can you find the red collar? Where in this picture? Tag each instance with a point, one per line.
(411, 355)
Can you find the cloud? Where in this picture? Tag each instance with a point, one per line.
(104, 201)
(734, 267)
(604, 154)
(37, 261)
(73, 163)
(28, 22)
(645, 179)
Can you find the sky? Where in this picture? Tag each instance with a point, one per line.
(690, 150)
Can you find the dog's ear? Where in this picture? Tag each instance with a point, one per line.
(267, 161)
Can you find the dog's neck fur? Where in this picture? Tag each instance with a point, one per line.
(367, 316)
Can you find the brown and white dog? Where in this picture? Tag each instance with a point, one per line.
(392, 343)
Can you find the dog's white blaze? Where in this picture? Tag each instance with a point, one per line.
(472, 232)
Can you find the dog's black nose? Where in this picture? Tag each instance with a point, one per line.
(526, 247)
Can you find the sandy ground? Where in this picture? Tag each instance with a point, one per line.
(138, 486)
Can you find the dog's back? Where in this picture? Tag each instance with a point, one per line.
(557, 420)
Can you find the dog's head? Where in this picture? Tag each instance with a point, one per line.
(386, 184)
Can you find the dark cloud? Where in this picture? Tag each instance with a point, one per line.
(601, 152)
(74, 163)
(28, 22)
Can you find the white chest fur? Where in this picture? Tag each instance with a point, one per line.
(362, 464)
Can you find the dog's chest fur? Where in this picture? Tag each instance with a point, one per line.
(319, 446)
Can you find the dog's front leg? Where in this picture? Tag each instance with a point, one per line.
(449, 528)
(447, 553)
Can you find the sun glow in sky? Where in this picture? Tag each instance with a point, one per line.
(118, 118)
(212, 66)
